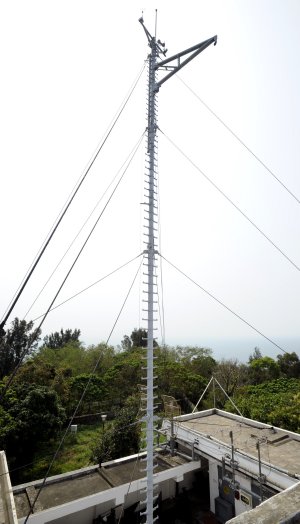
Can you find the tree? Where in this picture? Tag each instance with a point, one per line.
(187, 354)
(70, 356)
(57, 339)
(263, 369)
(102, 355)
(230, 374)
(137, 339)
(275, 402)
(18, 341)
(29, 415)
(126, 343)
(123, 436)
(289, 364)
(95, 392)
(255, 355)
(204, 366)
(123, 377)
(177, 380)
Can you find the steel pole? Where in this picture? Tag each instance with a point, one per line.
(151, 259)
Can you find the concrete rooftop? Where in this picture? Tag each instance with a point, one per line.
(277, 447)
(68, 487)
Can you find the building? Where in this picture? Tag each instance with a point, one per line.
(247, 462)
(241, 470)
(92, 494)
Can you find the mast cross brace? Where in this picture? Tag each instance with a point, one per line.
(192, 51)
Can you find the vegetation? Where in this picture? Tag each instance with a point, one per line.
(121, 438)
(76, 453)
(62, 375)
(16, 343)
(275, 402)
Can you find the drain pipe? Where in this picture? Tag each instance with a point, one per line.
(172, 439)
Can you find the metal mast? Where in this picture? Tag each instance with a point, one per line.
(151, 252)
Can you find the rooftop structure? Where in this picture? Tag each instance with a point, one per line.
(283, 508)
(250, 472)
(247, 461)
(85, 495)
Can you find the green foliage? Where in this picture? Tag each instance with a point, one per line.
(122, 437)
(276, 402)
(187, 354)
(90, 390)
(255, 355)
(178, 381)
(8, 425)
(58, 340)
(281, 385)
(102, 355)
(39, 413)
(71, 356)
(29, 415)
(75, 358)
(137, 339)
(53, 379)
(18, 341)
(264, 368)
(204, 366)
(74, 454)
(122, 379)
(289, 364)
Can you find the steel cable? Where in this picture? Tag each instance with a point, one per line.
(66, 207)
(240, 141)
(231, 202)
(82, 396)
(37, 330)
(223, 305)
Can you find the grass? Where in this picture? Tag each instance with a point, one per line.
(75, 453)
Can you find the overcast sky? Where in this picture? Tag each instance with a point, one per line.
(66, 67)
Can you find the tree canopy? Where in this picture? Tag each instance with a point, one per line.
(59, 339)
(62, 372)
(16, 343)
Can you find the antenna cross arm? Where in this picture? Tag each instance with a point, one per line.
(195, 50)
(148, 35)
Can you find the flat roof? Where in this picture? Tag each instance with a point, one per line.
(68, 487)
(278, 447)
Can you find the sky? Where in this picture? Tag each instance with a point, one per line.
(67, 67)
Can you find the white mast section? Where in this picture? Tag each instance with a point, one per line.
(150, 253)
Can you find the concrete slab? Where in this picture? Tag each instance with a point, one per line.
(63, 489)
(278, 447)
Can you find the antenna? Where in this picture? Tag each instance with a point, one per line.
(172, 65)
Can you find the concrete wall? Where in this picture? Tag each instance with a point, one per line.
(84, 510)
(244, 482)
(8, 513)
(86, 516)
(283, 508)
(245, 495)
(213, 483)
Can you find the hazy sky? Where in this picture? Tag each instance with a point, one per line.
(66, 67)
